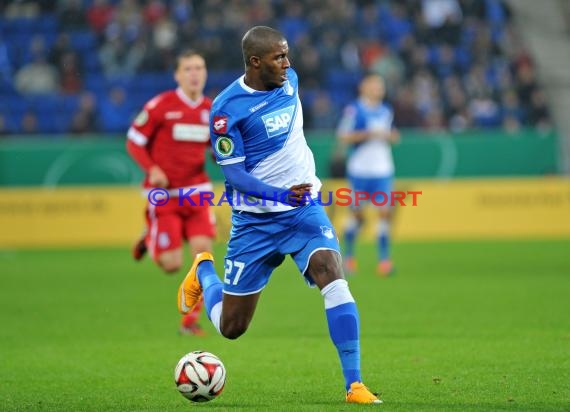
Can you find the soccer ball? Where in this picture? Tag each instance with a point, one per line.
(200, 376)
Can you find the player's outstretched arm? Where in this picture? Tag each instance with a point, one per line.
(355, 136)
(240, 179)
(394, 136)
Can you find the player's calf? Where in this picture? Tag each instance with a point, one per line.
(238, 313)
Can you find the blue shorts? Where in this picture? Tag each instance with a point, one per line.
(376, 187)
(259, 242)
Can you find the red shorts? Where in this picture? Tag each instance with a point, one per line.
(171, 224)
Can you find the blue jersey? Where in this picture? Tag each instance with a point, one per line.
(263, 129)
(370, 158)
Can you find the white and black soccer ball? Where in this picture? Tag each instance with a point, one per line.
(200, 376)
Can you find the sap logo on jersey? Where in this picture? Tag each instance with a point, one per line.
(278, 122)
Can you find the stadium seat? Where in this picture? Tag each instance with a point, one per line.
(91, 62)
(47, 24)
(380, 20)
(70, 103)
(18, 105)
(222, 78)
(94, 81)
(337, 79)
(83, 41)
(154, 82)
(463, 58)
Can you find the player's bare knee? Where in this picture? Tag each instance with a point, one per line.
(233, 330)
(199, 244)
(233, 325)
(170, 268)
(170, 265)
(170, 261)
(324, 267)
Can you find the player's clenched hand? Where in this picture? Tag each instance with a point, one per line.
(157, 177)
(391, 136)
(380, 134)
(299, 195)
(394, 136)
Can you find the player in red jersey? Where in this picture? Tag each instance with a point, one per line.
(169, 140)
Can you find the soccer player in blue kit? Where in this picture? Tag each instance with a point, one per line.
(366, 126)
(256, 127)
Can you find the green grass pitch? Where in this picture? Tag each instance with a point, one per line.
(461, 326)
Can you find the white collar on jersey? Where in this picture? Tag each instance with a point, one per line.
(286, 86)
(245, 86)
(187, 100)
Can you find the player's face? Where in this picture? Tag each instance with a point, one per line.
(191, 75)
(274, 65)
(373, 88)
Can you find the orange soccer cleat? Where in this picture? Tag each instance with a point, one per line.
(350, 265)
(385, 268)
(359, 393)
(190, 290)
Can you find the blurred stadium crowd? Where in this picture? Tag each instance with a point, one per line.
(87, 66)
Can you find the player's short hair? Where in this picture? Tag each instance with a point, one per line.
(258, 41)
(370, 74)
(184, 54)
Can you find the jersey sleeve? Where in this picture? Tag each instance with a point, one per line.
(391, 121)
(139, 155)
(143, 128)
(226, 138)
(350, 120)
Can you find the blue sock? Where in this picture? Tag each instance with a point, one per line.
(344, 326)
(384, 240)
(211, 285)
(350, 235)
